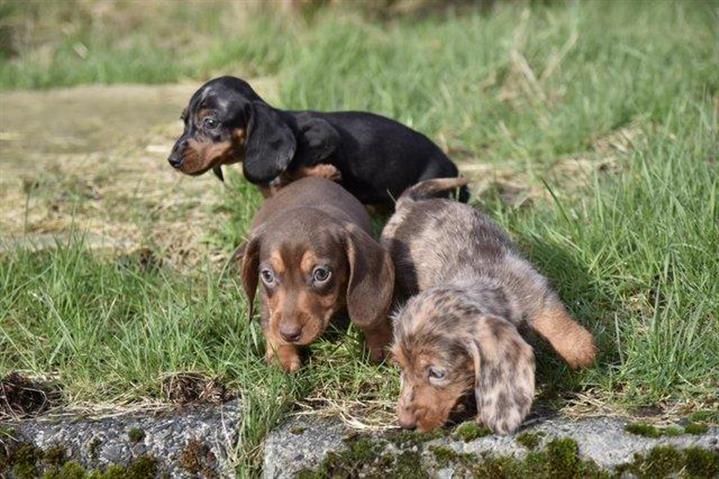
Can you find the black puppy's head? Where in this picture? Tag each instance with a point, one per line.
(227, 122)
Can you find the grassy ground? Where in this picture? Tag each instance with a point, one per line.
(591, 131)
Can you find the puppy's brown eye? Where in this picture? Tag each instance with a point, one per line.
(321, 274)
(210, 123)
(435, 373)
(268, 277)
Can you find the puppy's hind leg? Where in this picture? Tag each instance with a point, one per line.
(568, 338)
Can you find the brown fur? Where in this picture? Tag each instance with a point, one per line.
(203, 154)
(314, 223)
(571, 341)
(470, 292)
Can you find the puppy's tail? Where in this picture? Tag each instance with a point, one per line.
(433, 188)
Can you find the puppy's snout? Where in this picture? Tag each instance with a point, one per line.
(290, 332)
(175, 158)
(407, 418)
(407, 423)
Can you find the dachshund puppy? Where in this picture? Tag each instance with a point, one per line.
(310, 248)
(459, 332)
(373, 157)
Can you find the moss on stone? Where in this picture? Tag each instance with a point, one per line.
(366, 457)
(24, 461)
(666, 461)
(142, 467)
(701, 463)
(135, 434)
(297, 430)
(470, 430)
(197, 458)
(647, 430)
(643, 429)
(696, 428)
(661, 462)
(412, 438)
(444, 455)
(54, 456)
(530, 440)
(94, 448)
(69, 470)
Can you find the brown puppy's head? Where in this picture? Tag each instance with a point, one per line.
(310, 266)
(227, 122)
(446, 346)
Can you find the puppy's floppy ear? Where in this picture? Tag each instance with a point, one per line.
(504, 374)
(319, 139)
(270, 144)
(371, 278)
(250, 270)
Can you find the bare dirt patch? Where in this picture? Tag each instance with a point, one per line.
(93, 159)
(22, 397)
(189, 388)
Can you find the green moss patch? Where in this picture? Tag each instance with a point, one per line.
(135, 434)
(413, 438)
(665, 461)
(367, 457)
(530, 440)
(648, 430)
(643, 429)
(26, 461)
(696, 428)
(470, 430)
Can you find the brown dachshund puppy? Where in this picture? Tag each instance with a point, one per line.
(459, 332)
(311, 249)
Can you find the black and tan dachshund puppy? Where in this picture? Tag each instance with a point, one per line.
(373, 157)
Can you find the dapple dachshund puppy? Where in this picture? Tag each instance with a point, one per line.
(459, 334)
(373, 157)
(311, 250)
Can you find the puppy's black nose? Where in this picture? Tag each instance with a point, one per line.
(175, 159)
(290, 334)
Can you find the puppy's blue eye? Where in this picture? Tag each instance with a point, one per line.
(321, 274)
(268, 277)
(436, 373)
(210, 122)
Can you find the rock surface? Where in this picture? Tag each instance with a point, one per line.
(194, 442)
(303, 443)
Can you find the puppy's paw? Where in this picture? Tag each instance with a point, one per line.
(323, 170)
(286, 356)
(377, 342)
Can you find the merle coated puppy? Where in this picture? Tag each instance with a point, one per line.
(373, 157)
(470, 294)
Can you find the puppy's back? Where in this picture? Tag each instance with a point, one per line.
(434, 240)
(317, 193)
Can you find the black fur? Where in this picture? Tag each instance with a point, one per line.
(378, 158)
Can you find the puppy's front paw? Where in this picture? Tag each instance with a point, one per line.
(286, 356)
(322, 170)
(377, 342)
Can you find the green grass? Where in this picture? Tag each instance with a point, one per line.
(633, 250)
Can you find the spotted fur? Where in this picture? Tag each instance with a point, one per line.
(470, 292)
